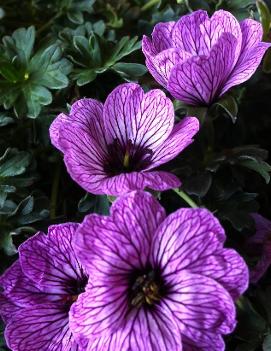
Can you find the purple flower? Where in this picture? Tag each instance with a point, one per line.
(158, 283)
(38, 291)
(113, 148)
(197, 59)
(260, 245)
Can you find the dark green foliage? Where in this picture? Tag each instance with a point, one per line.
(54, 52)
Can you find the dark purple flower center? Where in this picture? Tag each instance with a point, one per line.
(146, 288)
(126, 159)
(74, 288)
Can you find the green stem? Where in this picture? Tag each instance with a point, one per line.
(49, 23)
(149, 4)
(54, 192)
(186, 198)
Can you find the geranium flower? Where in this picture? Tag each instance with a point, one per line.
(260, 244)
(38, 291)
(197, 59)
(113, 148)
(158, 283)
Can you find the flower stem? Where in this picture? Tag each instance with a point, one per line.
(149, 4)
(186, 198)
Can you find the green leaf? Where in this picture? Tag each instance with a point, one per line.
(36, 96)
(125, 47)
(13, 163)
(267, 343)
(229, 105)
(75, 16)
(265, 17)
(48, 70)
(22, 40)
(127, 70)
(5, 120)
(84, 77)
(259, 166)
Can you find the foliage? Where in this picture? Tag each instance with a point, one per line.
(54, 52)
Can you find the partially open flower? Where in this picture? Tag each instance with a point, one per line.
(158, 283)
(197, 59)
(113, 148)
(39, 290)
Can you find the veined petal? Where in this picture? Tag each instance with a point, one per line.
(198, 81)
(7, 308)
(184, 237)
(144, 330)
(180, 137)
(186, 33)
(88, 115)
(246, 66)
(50, 261)
(252, 34)
(20, 290)
(161, 39)
(199, 302)
(54, 130)
(120, 112)
(100, 310)
(226, 267)
(145, 120)
(84, 159)
(127, 182)
(200, 340)
(100, 246)
(40, 328)
(160, 66)
(137, 216)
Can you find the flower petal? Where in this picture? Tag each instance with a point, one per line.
(123, 240)
(54, 130)
(144, 330)
(226, 267)
(252, 34)
(40, 328)
(127, 182)
(138, 215)
(100, 310)
(186, 33)
(199, 302)
(198, 80)
(160, 66)
(7, 308)
(198, 340)
(180, 137)
(20, 290)
(246, 66)
(84, 157)
(251, 54)
(184, 237)
(145, 120)
(50, 261)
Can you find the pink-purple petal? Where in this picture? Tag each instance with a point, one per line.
(40, 328)
(160, 66)
(200, 302)
(142, 331)
(184, 237)
(199, 80)
(226, 267)
(186, 33)
(180, 137)
(246, 66)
